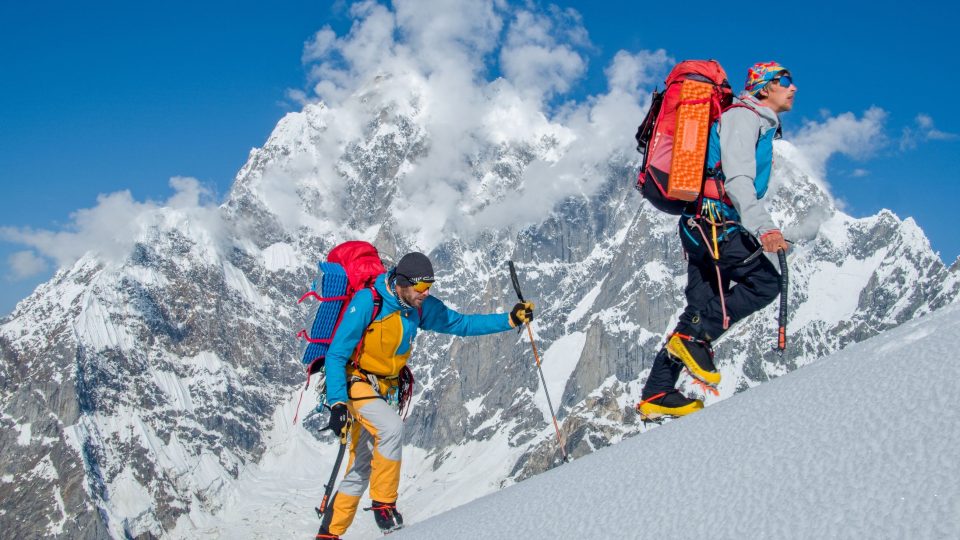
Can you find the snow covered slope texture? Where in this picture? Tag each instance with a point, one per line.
(811, 455)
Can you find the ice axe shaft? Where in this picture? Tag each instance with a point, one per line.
(782, 320)
(328, 487)
(536, 355)
(516, 287)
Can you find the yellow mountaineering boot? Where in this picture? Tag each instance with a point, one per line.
(696, 355)
(671, 403)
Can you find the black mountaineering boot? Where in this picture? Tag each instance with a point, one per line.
(387, 517)
(671, 403)
(696, 355)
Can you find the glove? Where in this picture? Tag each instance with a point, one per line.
(339, 418)
(521, 313)
(773, 241)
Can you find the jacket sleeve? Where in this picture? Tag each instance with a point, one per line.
(753, 215)
(438, 317)
(739, 132)
(355, 321)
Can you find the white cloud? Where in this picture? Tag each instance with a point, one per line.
(631, 73)
(298, 97)
(434, 63)
(858, 138)
(448, 35)
(106, 229)
(25, 264)
(925, 123)
(859, 173)
(189, 193)
(111, 228)
(922, 130)
(539, 56)
(340, 62)
(321, 44)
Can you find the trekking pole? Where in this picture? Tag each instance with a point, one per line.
(328, 487)
(536, 355)
(784, 283)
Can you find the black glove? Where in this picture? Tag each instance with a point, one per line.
(521, 313)
(339, 418)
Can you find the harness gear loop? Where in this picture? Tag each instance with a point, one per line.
(397, 394)
(715, 254)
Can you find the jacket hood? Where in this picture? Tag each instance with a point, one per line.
(390, 300)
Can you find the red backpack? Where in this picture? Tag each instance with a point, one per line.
(673, 136)
(349, 268)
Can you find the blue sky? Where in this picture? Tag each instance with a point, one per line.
(117, 96)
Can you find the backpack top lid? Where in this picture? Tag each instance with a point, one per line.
(705, 70)
(360, 260)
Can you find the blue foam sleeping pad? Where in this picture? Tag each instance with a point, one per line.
(333, 283)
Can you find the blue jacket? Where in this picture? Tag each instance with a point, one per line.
(388, 339)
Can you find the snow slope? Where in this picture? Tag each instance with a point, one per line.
(800, 457)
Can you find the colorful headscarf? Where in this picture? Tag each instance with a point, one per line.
(760, 74)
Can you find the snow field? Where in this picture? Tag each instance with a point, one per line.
(799, 457)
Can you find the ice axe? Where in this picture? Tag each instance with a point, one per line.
(536, 355)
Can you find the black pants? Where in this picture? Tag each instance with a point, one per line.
(757, 283)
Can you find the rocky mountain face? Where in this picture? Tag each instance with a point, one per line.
(134, 390)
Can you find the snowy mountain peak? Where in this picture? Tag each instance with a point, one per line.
(142, 392)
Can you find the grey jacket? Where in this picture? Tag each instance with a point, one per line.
(740, 130)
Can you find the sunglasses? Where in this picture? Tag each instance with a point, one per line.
(785, 81)
(420, 284)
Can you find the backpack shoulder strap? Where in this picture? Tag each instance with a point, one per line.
(754, 111)
(739, 106)
(377, 306)
(377, 303)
